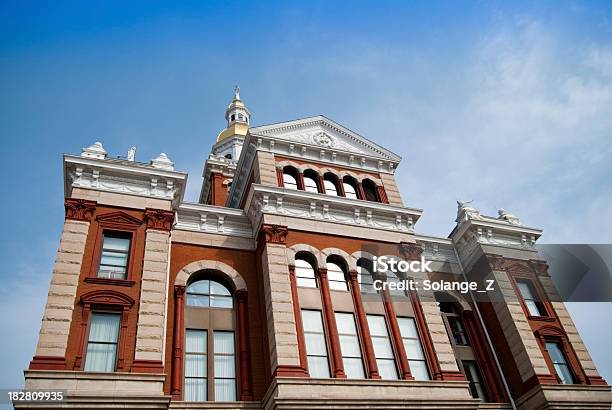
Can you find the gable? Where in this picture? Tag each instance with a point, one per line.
(322, 132)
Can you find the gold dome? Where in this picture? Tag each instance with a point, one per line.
(236, 129)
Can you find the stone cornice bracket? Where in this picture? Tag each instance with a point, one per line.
(540, 266)
(79, 209)
(276, 234)
(412, 251)
(159, 219)
(496, 262)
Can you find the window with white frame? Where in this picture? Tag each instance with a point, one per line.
(196, 365)
(335, 276)
(225, 366)
(304, 274)
(115, 255)
(473, 375)
(101, 355)
(366, 280)
(349, 190)
(383, 351)
(316, 348)
(349, 346)
(289, 181)
(413, 348)
(310, 185)
(209, 293)
(330, 186)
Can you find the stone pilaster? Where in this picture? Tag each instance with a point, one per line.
(55, 327)
(152, 309)
(282, 334)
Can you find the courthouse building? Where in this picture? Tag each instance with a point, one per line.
(261, 295)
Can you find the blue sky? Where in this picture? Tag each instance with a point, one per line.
(505, 103)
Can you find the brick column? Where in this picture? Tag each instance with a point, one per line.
(364, 329)
(330, 324)
(280, 318)
(396, 336)
(177, 345)
(55, 327)
(152, 309)
(246, 393)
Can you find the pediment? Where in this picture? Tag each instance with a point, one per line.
(119, 218)
(322, 132)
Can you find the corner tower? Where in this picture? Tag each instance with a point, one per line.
(221, 163)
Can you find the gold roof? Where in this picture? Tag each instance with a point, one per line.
(237, 128)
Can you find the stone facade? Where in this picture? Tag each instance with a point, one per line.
(249, 230)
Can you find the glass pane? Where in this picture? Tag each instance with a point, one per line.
(306, 283)
(310, 185)
(336, 285)
(218, 289)
(386, 369)
(345, 323)
(225, 366)
(377, 325)
(407, 327)
(353, 367)
(533, 308)
(349, 190)
(525, 290)
(225, 390)
(349, 345)
(289, 181)
(303, 269)
(224, 342)
(114, 259)
(418, 370)
(198, 300)
(221, 301)
(195, 390)
(111, 272)
(318, 367)
(200, 286)
(104, 327)
(116, 244)
(564, 373)
(195, 365)
(330, 188)
(100, 357)
(312, 321)
(315, 344)
(555, 353)
(382, 347)
(196, 341)
(413, 349)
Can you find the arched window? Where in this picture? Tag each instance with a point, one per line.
(304, 273)
(228, 156)
(331, 188)
(350, 188)
(370, 191)
(210, 351)
(290, 178)
(233, 117)
(336, 275)
(208, 293)
(365, 277)
(310, 181)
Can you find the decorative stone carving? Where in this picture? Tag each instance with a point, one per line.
(496, 262)
(323, 139)
(466, 211)
(508, 217)
(131, 154)
(412, 251)
(162, 162)
(541, 267)
(276, 234)
(96, 150)
(79, 209)
(159, 219)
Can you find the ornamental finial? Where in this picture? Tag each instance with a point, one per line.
(236, 92)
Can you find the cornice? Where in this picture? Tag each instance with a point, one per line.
(159, 219)
(313, 206)
(213, 219)
(79, 209)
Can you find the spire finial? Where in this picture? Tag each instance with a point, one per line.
(236, 92)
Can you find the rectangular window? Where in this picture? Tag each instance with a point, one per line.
(473, 376)
(316, 348)
(534, 306)
(459, 335)
(385, 359)
(366, 281)
(560, 364)
(413, 347)
(196, 348)
(225, 367)
(101, 353)
(115, 255)
(349, 346)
